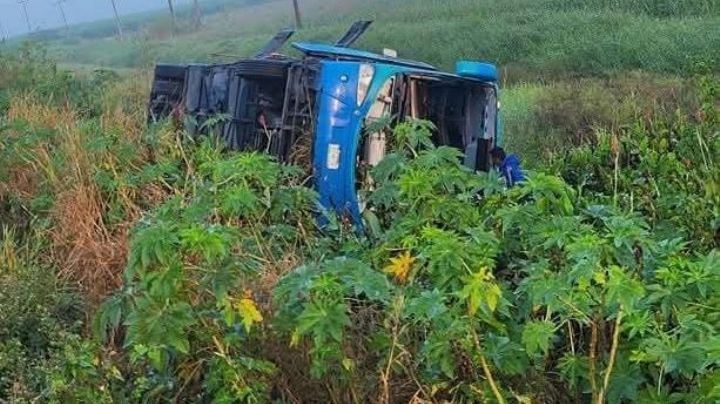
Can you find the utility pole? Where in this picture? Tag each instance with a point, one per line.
(197, 15)
(172, 13)
(298, 19)
(27, 16)
(3, 33)
(59, 4)
(118, 24)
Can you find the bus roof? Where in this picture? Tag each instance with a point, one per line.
(330, 51)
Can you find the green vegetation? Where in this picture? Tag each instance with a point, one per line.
(139, 265)
(595, 281)
(530, 39)
(543, 120)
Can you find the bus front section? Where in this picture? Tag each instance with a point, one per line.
(354, 97)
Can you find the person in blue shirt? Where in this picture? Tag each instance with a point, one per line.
(507, 166)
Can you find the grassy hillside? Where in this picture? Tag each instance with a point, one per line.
(531, 39)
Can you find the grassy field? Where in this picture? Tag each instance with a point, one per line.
(530, 39)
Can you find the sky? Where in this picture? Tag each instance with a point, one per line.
(45, 14)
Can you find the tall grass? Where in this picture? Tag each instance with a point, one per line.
(69, 162)
(544, 119)
(518, 109)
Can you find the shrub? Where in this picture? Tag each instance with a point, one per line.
(546, 285)
(38, 316)
(589, 289)
(30, 69)
(198, 273)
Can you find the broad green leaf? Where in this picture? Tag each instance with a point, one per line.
(537, 337)
(480, 289)
(324, 321)
(427, 306)
(624, 290)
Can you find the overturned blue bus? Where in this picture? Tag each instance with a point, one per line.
(312, 111)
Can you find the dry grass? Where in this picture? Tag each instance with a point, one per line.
(272, 273)
(87, 251)
(21, 182)
(27, 108)
(301, 155)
